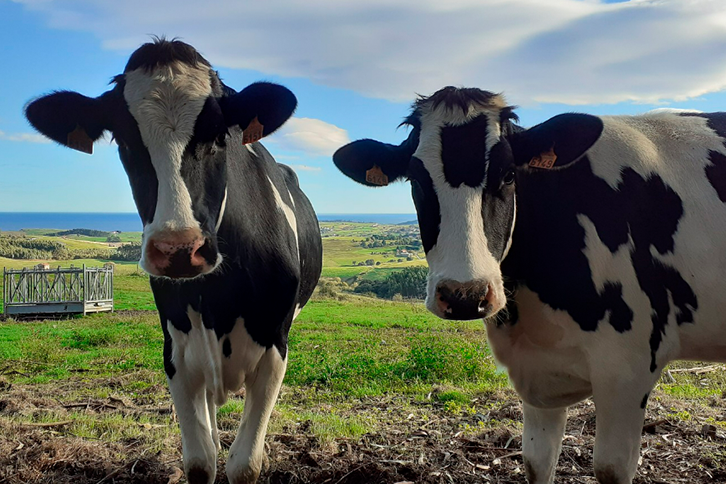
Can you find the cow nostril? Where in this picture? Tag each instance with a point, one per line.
(483, 305)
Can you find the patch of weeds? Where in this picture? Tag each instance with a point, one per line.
(452, 396)
(233, 406)
(84, 339)
(681, 415)
(686, 390)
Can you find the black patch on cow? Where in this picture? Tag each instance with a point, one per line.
(173, 311)
(644, 402)
(547, 253)
(427, 203)
(227, 347)
(169, 367)
(210, 126)
(498, 200)
(511, 309)
(163, 52)
(498, 213)
(463, 153)
(716, 173)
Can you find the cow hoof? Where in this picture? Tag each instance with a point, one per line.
(244, 476)
(198, 475)
(606, 475)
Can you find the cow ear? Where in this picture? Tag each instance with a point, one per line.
(373, 163)
(259, 109)
(69, 118)
(557, 142)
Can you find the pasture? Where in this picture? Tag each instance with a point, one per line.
(376, 392)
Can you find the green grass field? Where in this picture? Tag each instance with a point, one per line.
(124, 236)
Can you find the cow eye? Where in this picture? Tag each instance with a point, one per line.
(508, 178)
(221, 139)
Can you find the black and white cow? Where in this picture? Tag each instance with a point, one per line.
(231, 241)
(607, 233)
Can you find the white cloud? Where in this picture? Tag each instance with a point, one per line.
(570, 51)
(310, 136)
(24, 137)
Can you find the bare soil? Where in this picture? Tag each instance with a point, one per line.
(417, 442)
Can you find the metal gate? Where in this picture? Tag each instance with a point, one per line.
(57, 291)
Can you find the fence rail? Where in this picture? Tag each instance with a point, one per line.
(57, 291)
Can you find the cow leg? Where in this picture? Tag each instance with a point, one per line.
(542, 442)
(198, 447)
(261, 389)
(212, 409)
(620, 411)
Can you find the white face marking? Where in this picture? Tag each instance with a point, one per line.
(165, 103)
(461, 252)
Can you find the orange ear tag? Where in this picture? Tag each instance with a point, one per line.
(79, 140)
(375, 176)
(253, 132)
(545, 160)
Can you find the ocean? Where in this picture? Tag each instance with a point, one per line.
(130, 222)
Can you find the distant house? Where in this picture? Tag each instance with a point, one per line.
(402, 253)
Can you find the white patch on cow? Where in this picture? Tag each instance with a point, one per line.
(247, 451)
(221, 213)
(288, 212)
(461, 252)
(295, 314)
(673, 110)
(251, 149)
(243, 360)
(165, 104)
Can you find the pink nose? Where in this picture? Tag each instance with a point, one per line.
(463, 301)
(176, 254)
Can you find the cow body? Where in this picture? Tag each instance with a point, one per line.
(609, 235)
(231, 242)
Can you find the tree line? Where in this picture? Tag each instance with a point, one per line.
(409, 283)
(22, 247)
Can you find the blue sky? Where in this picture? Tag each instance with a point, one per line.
(355, 67)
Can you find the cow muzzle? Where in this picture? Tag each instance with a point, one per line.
(179, 254)
(465, 301)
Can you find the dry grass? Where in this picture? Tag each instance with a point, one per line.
(94, 431)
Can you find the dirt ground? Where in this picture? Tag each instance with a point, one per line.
(680, 444)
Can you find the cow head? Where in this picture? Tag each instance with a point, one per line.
(172, 119)
(463, 158)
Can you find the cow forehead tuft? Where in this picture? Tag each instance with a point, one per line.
(455, 105)
(163, 52)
